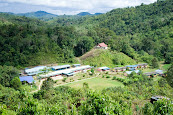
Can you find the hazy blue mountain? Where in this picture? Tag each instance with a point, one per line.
(87, 13)
(84, 14)
(38, 14)
(7, 13)
(98, 13)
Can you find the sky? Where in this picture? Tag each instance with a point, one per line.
(68, 7)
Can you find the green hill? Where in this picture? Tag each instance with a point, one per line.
(84, 14)
(100, 57)
(88, 14)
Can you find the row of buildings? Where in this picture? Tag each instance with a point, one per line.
(67, 72)
(156, 72)
(133, 68)
(121, 69)
(44, 71)
(118, 69)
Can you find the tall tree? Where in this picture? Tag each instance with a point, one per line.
(155, 63)
(84, 45)
(169, 76)
(47, 84)
(16, 83)
(7, 73)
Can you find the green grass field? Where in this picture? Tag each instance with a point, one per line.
(97, 83)
(166, 66)
(148, 70)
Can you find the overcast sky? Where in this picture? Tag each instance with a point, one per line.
(68, 7)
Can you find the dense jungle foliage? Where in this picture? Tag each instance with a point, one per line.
(141, 32)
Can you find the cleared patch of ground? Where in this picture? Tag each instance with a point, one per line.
(57, 78)
(97, 83)
(92, 53)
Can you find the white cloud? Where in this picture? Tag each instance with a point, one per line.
(3, 4)
(75, 6)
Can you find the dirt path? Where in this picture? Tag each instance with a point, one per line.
(39, 86)
(78, 59)
(41, 82)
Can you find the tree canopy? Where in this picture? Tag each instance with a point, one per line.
(139, 32)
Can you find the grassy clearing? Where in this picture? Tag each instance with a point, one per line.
(29, 88)
(166, 66)
(148, 70)
(96, 83)
(100, 57)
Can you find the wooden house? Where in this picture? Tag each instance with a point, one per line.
(103, 69)
(132, 67)
(101, 46)
(119, 69)
(151, 74)
(143, 65)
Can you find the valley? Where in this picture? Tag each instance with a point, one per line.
(114, 63)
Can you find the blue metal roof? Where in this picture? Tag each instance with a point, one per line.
(29, 79)
(159, 71)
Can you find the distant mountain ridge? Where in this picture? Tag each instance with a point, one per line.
(98, 13)
(38, 14)
(87, 13)
(46, 15)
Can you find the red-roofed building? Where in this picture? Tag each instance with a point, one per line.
(102, 46)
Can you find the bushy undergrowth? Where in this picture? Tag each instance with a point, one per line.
(114, 100)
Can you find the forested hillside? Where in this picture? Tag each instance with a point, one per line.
(146, 28)
(23, 40)
(141, 32)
